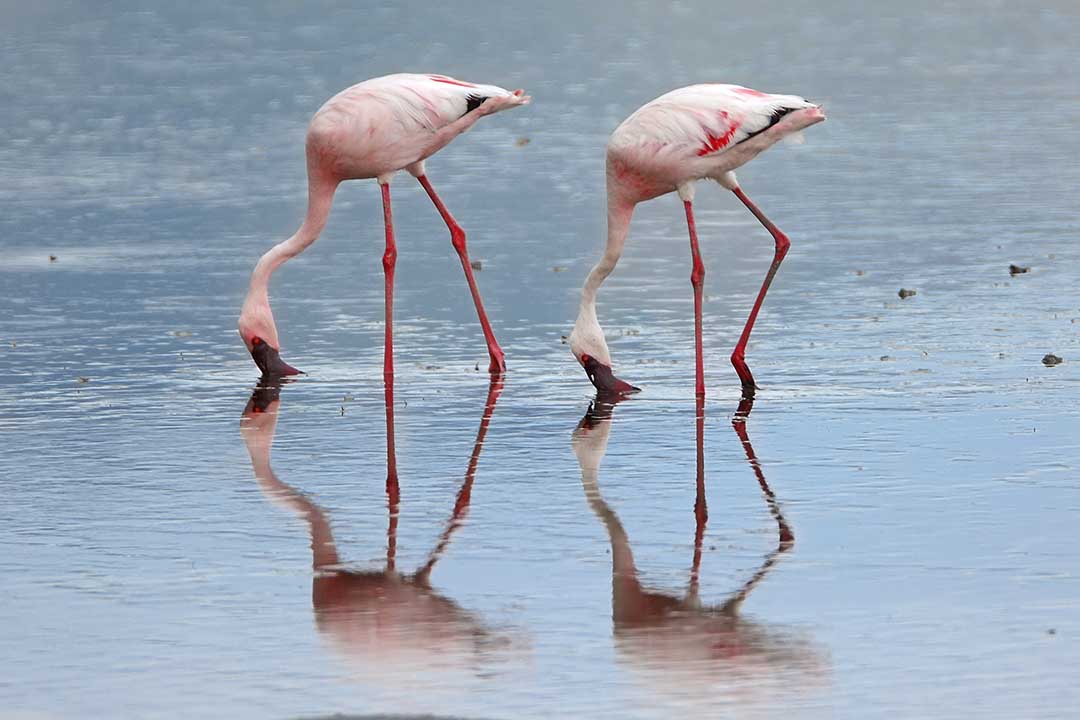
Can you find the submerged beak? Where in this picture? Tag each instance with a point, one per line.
(604, 380)
(269, 360)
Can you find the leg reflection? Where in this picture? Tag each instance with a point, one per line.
(674, 632)
(384, 618)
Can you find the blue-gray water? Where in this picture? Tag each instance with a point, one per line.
(922, 455)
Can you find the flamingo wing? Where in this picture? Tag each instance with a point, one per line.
(702, 120)
(425, 102)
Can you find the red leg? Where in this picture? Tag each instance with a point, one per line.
(393, 490)
(701, 509)
(782, 245)
(697, 279)
(457, 237)
(389, 260)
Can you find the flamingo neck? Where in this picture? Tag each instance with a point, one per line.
(619, 214)
(320, 198)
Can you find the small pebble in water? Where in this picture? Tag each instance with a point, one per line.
(559, 268)
(886, 358)
(1051, 631)
(1018, 269)
(1050, 360)
(52, 258)
(522, 141)
(477, 264)
(82, 380)
(905, 293)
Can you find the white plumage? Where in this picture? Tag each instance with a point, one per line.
(373, 130)
(689, 134)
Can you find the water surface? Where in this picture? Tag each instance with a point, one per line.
(890, 531)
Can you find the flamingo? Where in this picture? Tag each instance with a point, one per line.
(693, 133)
(373, 130)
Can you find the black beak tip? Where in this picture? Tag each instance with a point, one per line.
(269, 361)
(605, 381)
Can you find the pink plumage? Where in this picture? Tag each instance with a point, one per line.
(693, 133)
(373, 130)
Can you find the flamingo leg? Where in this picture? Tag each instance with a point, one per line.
(393, 490)
(697, 279)
(701, 508)
(457, 237)
(782, 244)
(389, 261)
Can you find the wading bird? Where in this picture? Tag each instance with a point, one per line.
(693, 133)
(373, 130)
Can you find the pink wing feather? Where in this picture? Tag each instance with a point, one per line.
(707, 119)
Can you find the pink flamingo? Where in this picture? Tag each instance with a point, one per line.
(373, 130)
(689, 134)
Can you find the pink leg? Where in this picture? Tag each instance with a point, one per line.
(697, 279)
(457, 237)
(389, 260)
(782, 245)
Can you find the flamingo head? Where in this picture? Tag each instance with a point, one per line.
(259, 334)
(590, 348)
(801, 118)
(268, 358)
(603, 378)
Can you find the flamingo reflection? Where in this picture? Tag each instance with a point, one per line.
(385, 618)
(673, 634)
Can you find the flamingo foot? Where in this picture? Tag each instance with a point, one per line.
(749, 387)
(269, 360)
(498, 364)
(603, 379)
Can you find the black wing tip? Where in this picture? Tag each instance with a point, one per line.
(473, 101)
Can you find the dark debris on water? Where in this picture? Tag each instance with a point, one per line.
(906, 293)
(1050, 360)
(1018, 269)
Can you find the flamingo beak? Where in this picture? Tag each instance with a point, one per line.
(603, 379)
(269, 360)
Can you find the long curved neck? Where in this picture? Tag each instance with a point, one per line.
(320, 198)
(619, 213)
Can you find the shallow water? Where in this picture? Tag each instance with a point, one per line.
(157, 558)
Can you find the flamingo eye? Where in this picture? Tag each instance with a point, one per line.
(256, 340)
(585, 358)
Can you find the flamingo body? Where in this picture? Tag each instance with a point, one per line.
(689, 134)
(696, 132)
(386, 124)
(373, 130)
